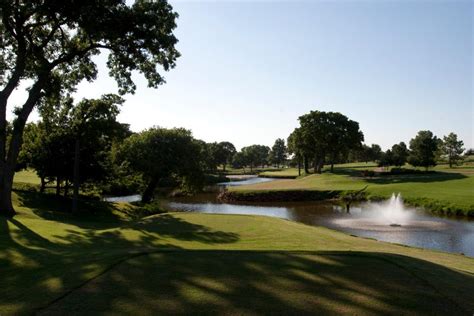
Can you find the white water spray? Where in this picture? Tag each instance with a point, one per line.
(394, 212)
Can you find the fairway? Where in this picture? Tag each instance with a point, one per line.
(446, 192)
(202, 260)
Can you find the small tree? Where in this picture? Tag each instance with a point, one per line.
(386, 159)
(452, 148)
(278, 153)
(423, 150)
(399, 154)
(375, 152)
(240, 160)
(223, 153)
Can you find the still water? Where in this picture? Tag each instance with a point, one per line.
(413, 227)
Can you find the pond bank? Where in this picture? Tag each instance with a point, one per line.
(431, 205)
(277, 196)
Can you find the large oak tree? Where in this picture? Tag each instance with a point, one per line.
(49, 45)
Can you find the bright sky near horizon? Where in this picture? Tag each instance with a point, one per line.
(250, 68)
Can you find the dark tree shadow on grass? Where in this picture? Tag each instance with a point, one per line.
(91, 212)
(433, 176)
(35, 270)
(250, 282)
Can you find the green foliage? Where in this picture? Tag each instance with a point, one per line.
(159, 153)
(423, 150)
(57, 40)
(328, 135)
(49, 145)
(254, 155)
(400, 154)
(386, 159)
(278, 152)
(240, 160)
(375, 152)
(223, 153)
(452, 148)
(49, 47)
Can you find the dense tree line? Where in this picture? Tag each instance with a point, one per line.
(82, 144)
(425, 150)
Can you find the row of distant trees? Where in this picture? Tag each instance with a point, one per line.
(425, 150)
(83, 145)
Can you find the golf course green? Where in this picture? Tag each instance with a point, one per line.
(444, 190)
(108, 261)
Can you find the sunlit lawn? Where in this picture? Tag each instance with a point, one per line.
(450, 190)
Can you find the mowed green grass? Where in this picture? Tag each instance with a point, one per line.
(453, 190)
(57, 263)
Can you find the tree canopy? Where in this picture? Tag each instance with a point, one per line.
(223, 153)
(50, 145)
(400, 154)
(423, 150)
(50, 44)
(452, 148)
(328, 134)
(278, 152)
(158, 153)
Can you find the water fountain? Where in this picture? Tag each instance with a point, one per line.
(394, 211)
(390, 215)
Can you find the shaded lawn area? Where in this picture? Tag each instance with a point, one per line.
(111, 264)
(249, 283)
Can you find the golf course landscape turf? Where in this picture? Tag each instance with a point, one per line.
(449, 191)
(107, 262)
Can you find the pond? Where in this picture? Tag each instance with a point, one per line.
(389, 221)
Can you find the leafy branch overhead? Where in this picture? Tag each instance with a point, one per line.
(50, 45)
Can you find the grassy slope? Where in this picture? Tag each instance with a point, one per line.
(448, 190)
(237, 264)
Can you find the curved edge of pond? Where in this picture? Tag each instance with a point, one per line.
(277, 196)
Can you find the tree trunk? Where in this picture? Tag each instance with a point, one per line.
(6, 183)
(8, 160)
(332, 167)
(320, 166)
(58, 186)
(147, 196)
(306, 167)
(299, 167)
(75, 194)
(223, 167)
(43, 185)
(66, 188)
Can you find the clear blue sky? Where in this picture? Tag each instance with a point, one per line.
(249, 69)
